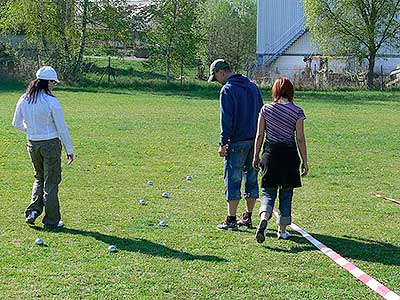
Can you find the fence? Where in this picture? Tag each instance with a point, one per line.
(325, 78)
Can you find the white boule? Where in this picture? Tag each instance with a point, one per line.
(112, 248)
(165, 195)
(142, 202)
(163, 223)
(189, 177)
(39, 241)
(150, 182)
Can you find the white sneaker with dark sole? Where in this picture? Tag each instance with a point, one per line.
(261, 232)
(31, 217)
(58, 226)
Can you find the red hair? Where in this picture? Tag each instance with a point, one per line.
(282, 88)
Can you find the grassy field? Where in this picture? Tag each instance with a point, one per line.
(124, 137)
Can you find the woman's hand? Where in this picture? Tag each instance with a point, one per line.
(304, 169)
(256, 162)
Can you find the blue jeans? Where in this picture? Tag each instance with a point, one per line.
(285, 203)
(238, 166)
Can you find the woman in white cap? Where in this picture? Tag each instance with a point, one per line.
(40, 116)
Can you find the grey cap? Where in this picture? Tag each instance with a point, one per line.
(216, 66)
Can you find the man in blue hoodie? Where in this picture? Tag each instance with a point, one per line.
(240, 103)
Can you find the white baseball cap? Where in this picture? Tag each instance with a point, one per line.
(47, 73)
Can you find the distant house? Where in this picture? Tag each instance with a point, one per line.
(284, 46)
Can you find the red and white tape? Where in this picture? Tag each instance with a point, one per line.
(373, 284)
(386, 198)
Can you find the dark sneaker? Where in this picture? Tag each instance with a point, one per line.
(228, 225)
(31, 217)
(246, 220)
(261, 231)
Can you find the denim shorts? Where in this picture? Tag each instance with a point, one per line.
(238, 166)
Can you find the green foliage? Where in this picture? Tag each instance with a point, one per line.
(172, 38)
(125, 137)
(109, 24)
(229, 31)
(354, 27)
(60, 30)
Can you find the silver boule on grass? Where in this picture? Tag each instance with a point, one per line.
(142, 202)
(39, 242)
(112, 248)
(163, 223)
(189, 177)
(149, 182)
(165, 195)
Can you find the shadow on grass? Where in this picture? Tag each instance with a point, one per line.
(349, 247)
(140, 245)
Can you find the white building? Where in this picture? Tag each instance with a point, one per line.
(138, 2)
(283, 43)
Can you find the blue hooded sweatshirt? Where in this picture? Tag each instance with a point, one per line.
(240, 103)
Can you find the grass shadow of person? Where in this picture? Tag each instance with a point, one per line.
(349, 247)
(139, 245)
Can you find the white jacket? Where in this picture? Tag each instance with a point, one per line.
(43, 120)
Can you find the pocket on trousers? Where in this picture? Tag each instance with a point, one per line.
(264, 162)
(52, 150)
(54, 174)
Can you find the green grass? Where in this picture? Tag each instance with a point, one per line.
(124, 137)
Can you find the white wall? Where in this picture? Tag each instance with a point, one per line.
(292, 61)
(275, 17)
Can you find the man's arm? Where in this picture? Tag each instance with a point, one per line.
(226, 116)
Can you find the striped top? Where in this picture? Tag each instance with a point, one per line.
(280, 121)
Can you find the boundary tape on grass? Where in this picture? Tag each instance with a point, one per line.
(386, 198)
(372, 283)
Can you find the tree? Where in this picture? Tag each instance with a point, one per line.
(354, 27)
(171, 36)
(61, 30)
(229, 30)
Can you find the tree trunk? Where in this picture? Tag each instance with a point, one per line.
(43, 35)
(371, 65)
(82, 45)
(61, 7)
(168, 75)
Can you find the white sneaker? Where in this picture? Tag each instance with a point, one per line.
(60, 224)
(31, 217)
(261, 232)
(283, 235)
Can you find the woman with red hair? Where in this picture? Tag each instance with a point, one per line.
(283, 124)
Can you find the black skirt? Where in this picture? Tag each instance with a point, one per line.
(280, 165)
